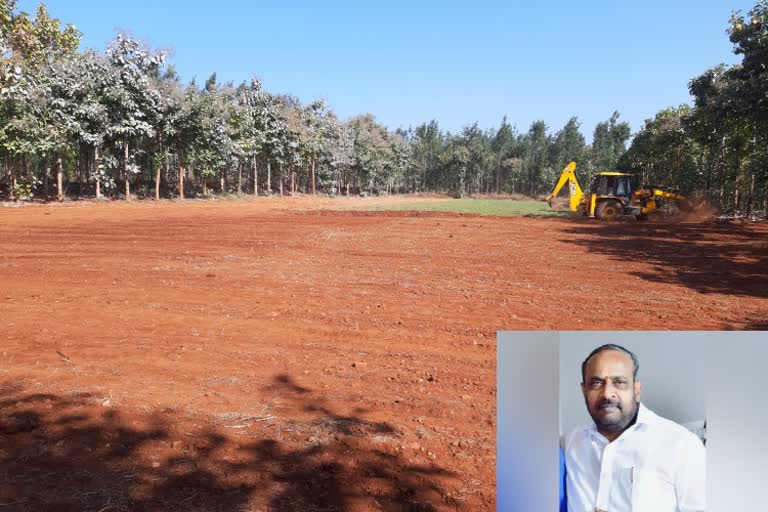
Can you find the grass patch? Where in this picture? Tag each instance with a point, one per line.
(502, 207)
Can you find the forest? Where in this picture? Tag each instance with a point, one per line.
(122, 124)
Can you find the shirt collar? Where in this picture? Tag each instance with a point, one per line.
(645, 416)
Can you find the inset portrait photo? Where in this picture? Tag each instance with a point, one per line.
(640, 445)
(616, 421)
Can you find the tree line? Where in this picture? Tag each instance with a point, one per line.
(122, 124)
(718, 146)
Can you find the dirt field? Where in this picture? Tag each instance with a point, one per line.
(271, 355)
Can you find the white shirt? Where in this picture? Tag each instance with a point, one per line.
(655, 465)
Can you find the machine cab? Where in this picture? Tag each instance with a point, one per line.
(614, 184)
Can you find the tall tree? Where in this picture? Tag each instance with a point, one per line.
(568, 145)
(536, 158)
(133, 104)
(502, 145)
(609, 143)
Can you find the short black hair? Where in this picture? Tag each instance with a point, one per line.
(618, 348)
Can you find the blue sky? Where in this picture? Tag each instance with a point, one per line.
(409, 62)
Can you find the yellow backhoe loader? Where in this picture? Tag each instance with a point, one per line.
(616, 194)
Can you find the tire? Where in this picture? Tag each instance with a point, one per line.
(610, 210)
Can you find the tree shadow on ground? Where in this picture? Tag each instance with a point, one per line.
(707, 257)
(77, 452)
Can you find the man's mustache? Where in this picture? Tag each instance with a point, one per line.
(603, 404)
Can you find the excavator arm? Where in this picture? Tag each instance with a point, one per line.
(574, 189)
(681, 201)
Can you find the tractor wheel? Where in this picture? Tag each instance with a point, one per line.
(609, 210)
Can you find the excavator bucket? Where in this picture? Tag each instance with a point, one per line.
(575, 192)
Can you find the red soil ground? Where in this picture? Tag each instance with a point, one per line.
(271, 355)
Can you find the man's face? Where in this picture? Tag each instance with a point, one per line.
(610, 391)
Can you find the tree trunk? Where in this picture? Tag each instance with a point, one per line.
(59, 178)
(740, 187)
(47, 182)
(125, 170)
(293, 181)
(269, 177)
(181, 180)
(82, 169)
(255, 178)
(765, 206)
(239, 178)
(280, 168)
(157, 180)
(205, 187)
(97, 162)
(314, 186)
(707, 179)
(723, 172)
(12, 181)
(221, 180)
(498, 175)
(165, 172)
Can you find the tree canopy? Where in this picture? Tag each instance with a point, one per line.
(121, 123)
(717, 147)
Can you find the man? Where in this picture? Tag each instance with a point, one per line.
(630, 459)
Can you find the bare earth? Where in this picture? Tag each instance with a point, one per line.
(276, 355)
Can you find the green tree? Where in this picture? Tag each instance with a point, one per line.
(133, 103)
(664, 154)
(502, 146)
(427, 142)
(536, 166)
(609, 143)
(568, 146)
(28, 48)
